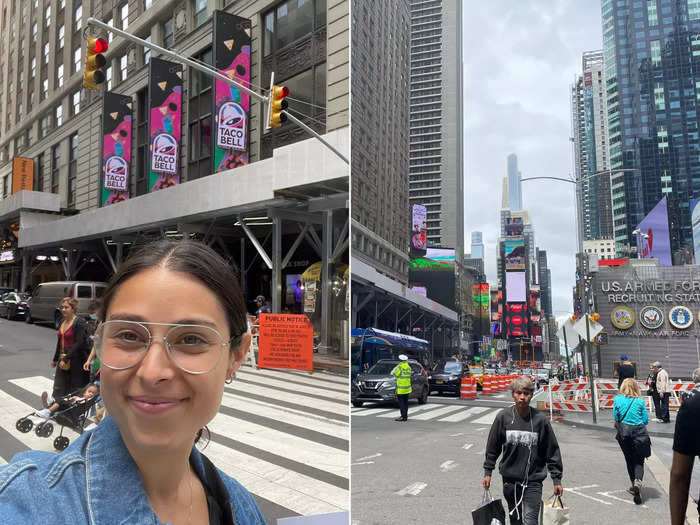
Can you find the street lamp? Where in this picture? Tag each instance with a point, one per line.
(639, 235)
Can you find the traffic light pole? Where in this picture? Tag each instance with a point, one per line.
(211, 72)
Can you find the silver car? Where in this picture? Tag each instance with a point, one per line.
(379, 384)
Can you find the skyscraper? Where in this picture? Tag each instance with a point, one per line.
(477, 245)
(652, 73)
(589, 125)
(515, 193)
(436, 165)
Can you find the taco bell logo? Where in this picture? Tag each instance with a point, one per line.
(116, 173)
(232, 127)
(164, 154)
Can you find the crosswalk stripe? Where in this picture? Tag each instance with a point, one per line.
(372, 411)
(320, 424)
(318, 393)
(313, 380)
(464, 414)
(296, 492)
(35, 384)
(486, 419)
(437, 413)
(301, 450)
(412, 410)
(303, 400)
(283, 374)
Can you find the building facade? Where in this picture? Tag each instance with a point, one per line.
(651, 55)
(515, 191)
(436, 156)
(603, 248)
(477, 245)
(591, 156)
(381, 219)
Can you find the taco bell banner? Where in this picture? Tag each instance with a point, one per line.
(658, 241)
(231, 105)
(116, 147)
(165, 118)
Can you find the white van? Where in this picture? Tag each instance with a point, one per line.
(44, 304)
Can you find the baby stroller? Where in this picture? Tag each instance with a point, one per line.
(73, 416)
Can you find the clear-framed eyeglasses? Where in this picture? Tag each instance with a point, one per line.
(196, 349)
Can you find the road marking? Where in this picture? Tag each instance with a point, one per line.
(437, 413)
(467, 446)
(412, 410)
(457, 434)
(413, 489)
(369, 457)
(487, 419)
(609, 495)
(448, 465)
(371, 411)
(300, 399)
(362, 463)
(479, 429)
(575, 490)
(461, 416)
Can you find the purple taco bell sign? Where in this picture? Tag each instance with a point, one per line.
(654, 239)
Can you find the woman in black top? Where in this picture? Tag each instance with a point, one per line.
(72, 348)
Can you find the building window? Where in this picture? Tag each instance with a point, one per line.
(46, 53)
(30, 105)
(147, 51)
(59, 75)
(61, 36)
(77, 54)
(72, 167)
(108, 77)
(78, 18)
(44, 88)
(139, 182)
(290, 21)
(200, 121)
(32, 68)
(6, 186)
(110, 23)
(62, 4)
(200, 12)
(34, 31)
(47, 16)
(147, 4)
(76, 102)
(122, 67)
(39, 173)
(59, 115)
(19, 112)
(168, 35)
(124, 15)
(55, 162)
(44, 124)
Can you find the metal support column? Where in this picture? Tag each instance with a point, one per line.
(327, 256)
(243, 267)
(120, 254)
(276, 265)
(25, 272)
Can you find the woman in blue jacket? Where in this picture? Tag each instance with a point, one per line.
(174, 331)
(631, 418)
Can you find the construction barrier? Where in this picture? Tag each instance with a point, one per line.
(468, 388)
(487, 386)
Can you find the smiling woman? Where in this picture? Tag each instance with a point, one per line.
(174, 331)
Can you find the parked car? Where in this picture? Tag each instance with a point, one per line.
(379, 385)
(13, 305)
(6, 289)
(44, 304)
(447, 376)
(542, 376)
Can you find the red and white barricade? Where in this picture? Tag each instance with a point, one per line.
(468, 388)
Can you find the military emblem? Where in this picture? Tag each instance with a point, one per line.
(651, 317)
(622, 317)
(680, 317)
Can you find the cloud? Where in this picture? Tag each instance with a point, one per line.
(520, 59)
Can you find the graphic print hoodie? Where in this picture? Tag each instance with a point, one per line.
(516, 438)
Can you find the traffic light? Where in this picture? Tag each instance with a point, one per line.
(94, 62)
(595, 316)
(277, 104)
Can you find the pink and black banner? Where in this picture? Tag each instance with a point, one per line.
(231, 105)
(116, 148)
(165, 123)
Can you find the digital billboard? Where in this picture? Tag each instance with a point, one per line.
(514, 253)
(516, 289)
(514, 226)
(435, 259)
(419, 231)
(654, 240)
(517, 320)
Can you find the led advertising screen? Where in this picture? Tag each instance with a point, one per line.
(516, 290)
(514, 253)
(517, 320)
(653, 239)
(436, 259)
(514, 226)
(419, 231)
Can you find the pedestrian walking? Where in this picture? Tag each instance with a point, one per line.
(624, 370)
(663, 387)
(173, 331)
(263, 306)
(72, 348)
(686, 446)
(529, 449)
(653, 392)
(403, 372)
(630, 414)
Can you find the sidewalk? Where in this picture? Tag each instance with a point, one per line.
(333, 365)
(606, 423)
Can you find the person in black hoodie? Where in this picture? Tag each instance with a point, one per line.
(528, 444)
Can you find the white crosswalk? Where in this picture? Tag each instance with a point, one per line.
(284, 435)
(440, 412)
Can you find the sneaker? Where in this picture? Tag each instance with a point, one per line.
(44, 414)
(637, 488)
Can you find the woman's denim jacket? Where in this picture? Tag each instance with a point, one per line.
(94, 481)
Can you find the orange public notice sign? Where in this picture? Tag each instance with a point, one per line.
(22, 174)
(286, 341)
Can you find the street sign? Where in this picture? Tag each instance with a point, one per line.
(594, 328)
(568, 326)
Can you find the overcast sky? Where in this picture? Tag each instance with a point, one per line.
(521, 58)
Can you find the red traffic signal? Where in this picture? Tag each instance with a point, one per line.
(277, 105)
(93, 75)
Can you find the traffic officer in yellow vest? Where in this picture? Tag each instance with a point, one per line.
(402, 372)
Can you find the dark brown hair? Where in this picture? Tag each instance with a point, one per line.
(192, 258)
(72, 302)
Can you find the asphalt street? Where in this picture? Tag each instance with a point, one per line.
(283, 434)
(429, 469)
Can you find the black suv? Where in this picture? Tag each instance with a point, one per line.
(447, 376)
(378, 384)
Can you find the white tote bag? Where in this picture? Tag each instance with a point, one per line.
(553, 512)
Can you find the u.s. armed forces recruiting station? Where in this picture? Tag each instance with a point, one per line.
(650, 313)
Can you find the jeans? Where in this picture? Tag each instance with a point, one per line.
(635, 463)
(657, 405)
(403, 404)
(663, 403)
(528, 512)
